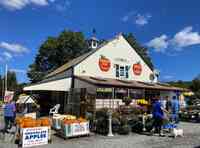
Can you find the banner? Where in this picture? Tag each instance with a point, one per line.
(35, 136)
(8, 96)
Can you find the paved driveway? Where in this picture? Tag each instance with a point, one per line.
(191, 139)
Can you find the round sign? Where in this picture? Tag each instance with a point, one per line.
(104, 64)
(137, 69)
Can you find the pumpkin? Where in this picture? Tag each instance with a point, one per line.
(38, 123)
(45, 122)
(137, 69)
(81, 119)
(30, 123)
(104, 64)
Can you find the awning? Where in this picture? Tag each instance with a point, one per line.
(56, 85)
(108, 82)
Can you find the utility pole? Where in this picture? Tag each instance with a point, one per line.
(6, 78)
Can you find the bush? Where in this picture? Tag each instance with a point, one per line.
(124, 130)
(115, 125)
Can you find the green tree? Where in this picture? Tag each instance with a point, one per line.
(181, 84)
(56, 51)
(141, 50)
(195, 87)
(11, 81)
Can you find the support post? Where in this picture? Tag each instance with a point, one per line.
(110, 134)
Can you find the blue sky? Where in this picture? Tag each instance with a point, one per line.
(170, 28)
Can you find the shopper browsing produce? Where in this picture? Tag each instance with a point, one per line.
(158, 116)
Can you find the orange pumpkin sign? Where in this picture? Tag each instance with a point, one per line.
(104, 64)
(137, 69)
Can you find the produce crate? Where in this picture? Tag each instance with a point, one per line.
(75, 129)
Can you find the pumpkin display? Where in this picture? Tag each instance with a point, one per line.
(71, 121)
(45, 122)
(27, 122)
(137, 69)
(104, 64)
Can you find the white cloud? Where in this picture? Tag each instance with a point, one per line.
(19, 4)
(14, 48)
(7, 55)
(159, 43)
(142, 20)
(186, 37)
(126, 17)
(138, 19)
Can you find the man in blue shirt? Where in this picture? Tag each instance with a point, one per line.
(158, 115)
(175, 109)
(9, 114)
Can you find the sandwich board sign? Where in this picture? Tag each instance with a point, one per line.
(34, 136)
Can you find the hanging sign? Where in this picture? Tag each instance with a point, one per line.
(35, 136)
(104, 89)
(104, 64)
(137, 69)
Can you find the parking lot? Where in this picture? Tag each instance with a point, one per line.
(191, 139)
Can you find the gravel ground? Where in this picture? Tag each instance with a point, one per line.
(191, 139)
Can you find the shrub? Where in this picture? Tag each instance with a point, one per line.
(124, 130)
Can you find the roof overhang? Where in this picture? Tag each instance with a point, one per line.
(108, 82)
(55, 85)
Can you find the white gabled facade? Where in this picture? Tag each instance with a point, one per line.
(118, 61)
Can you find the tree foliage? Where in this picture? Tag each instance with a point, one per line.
(11, 81)
(141, 50)
(195, 87)
(12, 84)
(56, 51)
(181, 84)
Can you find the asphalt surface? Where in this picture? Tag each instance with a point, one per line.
(191, 139)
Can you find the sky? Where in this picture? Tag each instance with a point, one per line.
(169, 28)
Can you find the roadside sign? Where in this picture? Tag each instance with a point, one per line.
(34, 136)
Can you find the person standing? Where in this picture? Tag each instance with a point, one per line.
(9, 114)
(158, 116)
(168, 103)
(175, 109)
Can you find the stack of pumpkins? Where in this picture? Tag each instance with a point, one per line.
(28, 122)
(73, 120)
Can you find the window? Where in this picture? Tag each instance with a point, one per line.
(104, 93)
(117, 71)
(136, 93)
(122, 71)
(126, 71)
(120, 93)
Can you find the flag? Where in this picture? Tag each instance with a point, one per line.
(8, 96)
